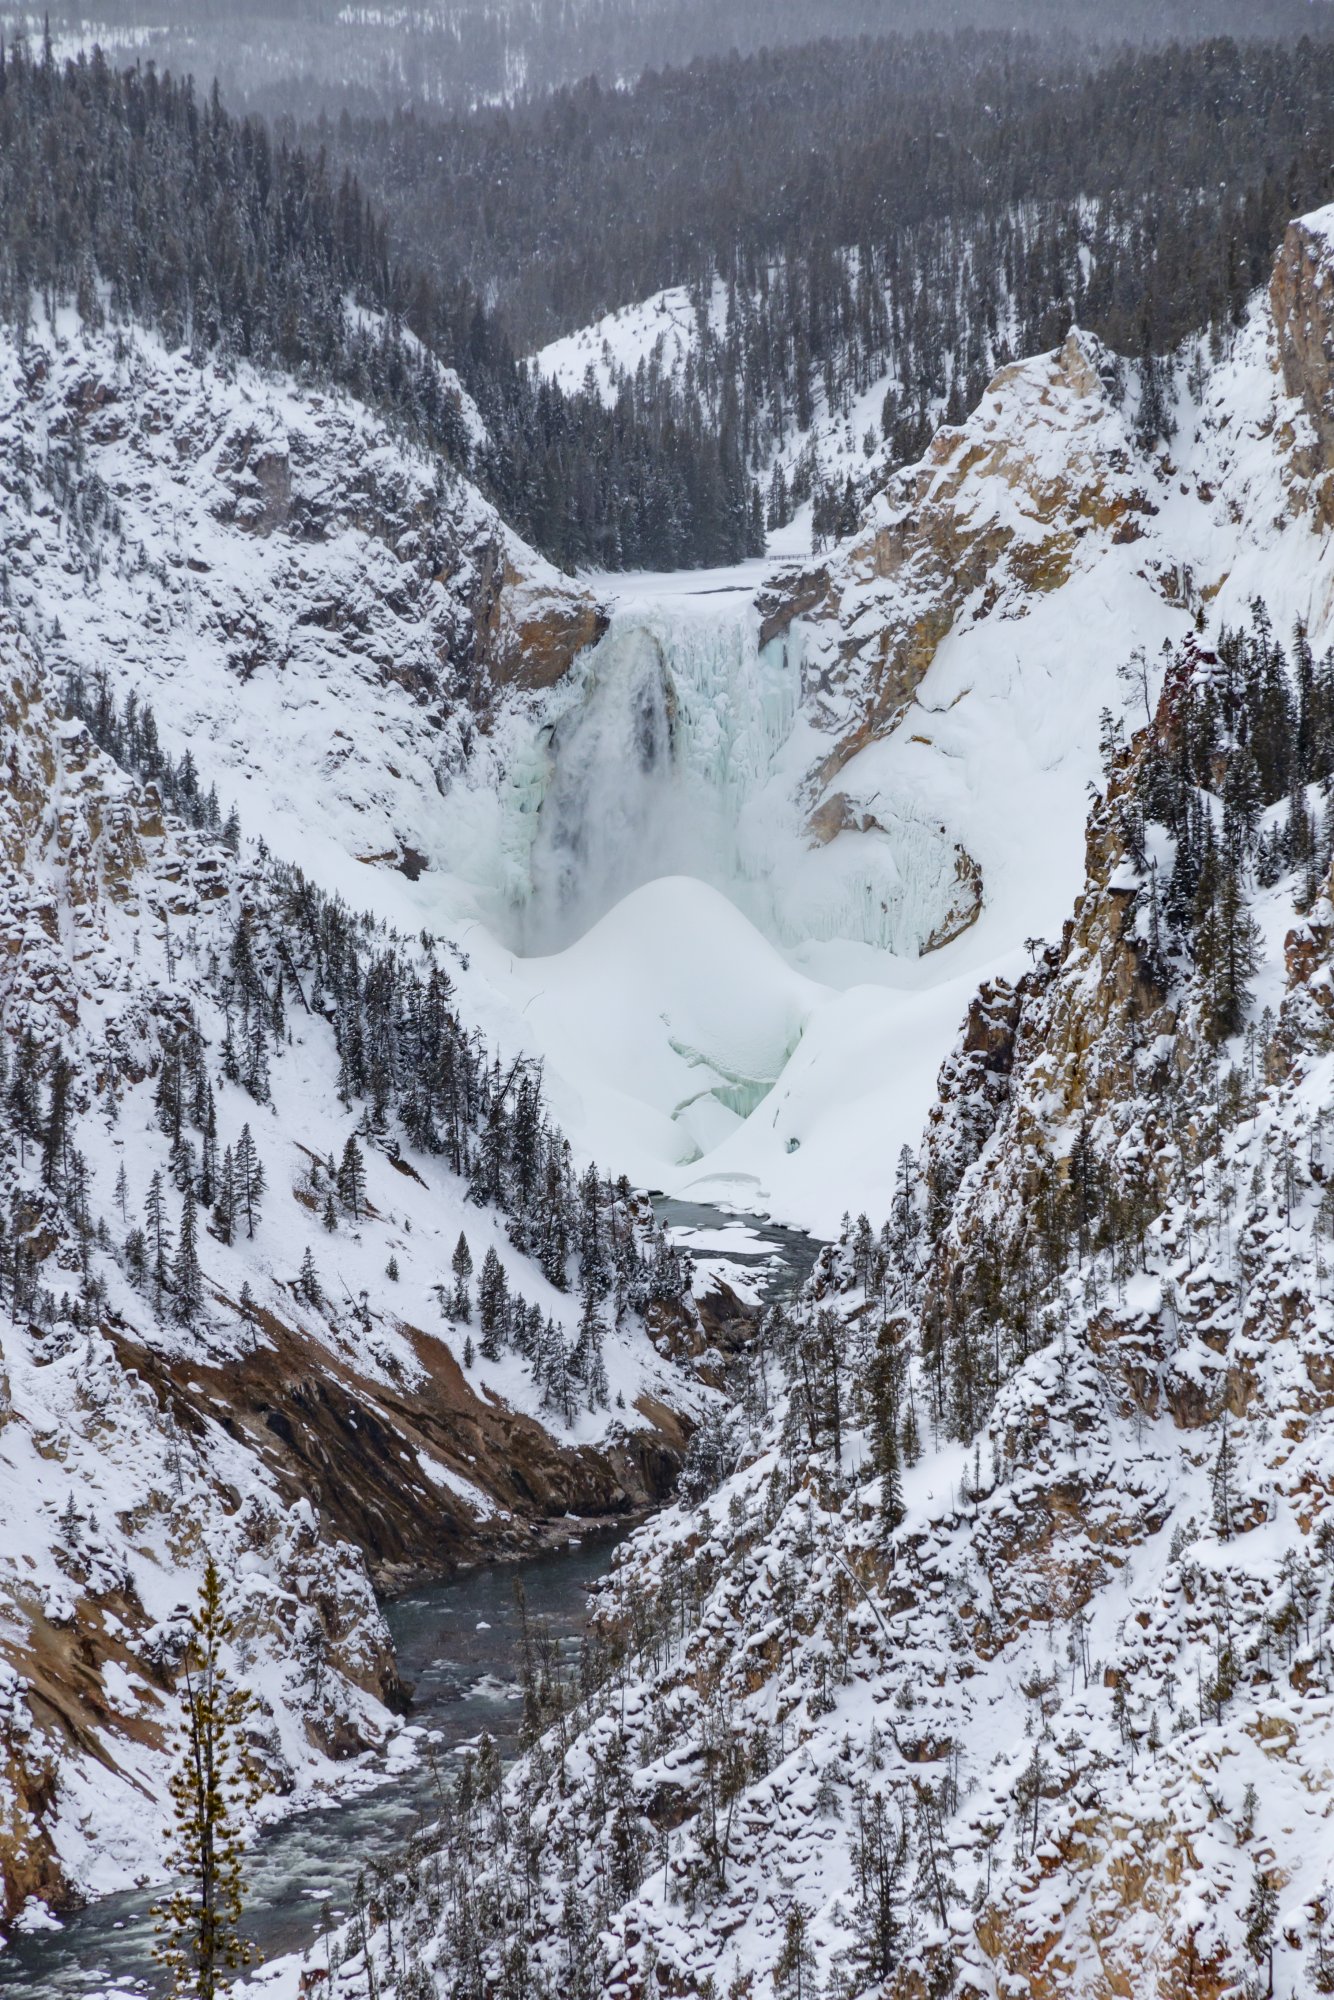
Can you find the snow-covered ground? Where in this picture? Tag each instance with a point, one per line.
(703, 875)
(662, 329)
(1068, 1707)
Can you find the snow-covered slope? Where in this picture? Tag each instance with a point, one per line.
(661, 331)
(731, 857)
(242, 1134)
(999, 1659)
(320, 612)
(879, 760)
(882, 759)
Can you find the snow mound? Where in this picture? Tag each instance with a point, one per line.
(675, 1015)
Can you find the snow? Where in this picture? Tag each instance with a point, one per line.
(996, 752)
(672, 1015)
(724, 1010)
(444, 1475)
(122, 1464)
(663, 328)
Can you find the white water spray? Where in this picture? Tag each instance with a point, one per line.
(656, 770)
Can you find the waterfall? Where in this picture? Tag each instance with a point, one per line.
(611, 814)
(678, 746)
(655, 769)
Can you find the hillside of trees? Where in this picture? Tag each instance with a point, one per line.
(586, 199)
(230, 242)
(919, 209)
(916, 211)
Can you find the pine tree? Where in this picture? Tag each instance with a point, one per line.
(69, 1523)
(586, 1361)
(593, 1269)
(231, 1063)
(891, 1480)
(1223, 1483)
(155, 1228)
(224, 1206)
(55, 1138)
(880, 1857)
(247, 1305)
(167, 1096)
(255, 1063)
(1227, 952)
(795, 1967)
(1261, 1917)
(352, 1178)
(461, 1265)
(214, 1782)
(492, 1299)
(22, 1097)
(187, 1278)
(308, 1282)
(250, 1182)
(208, 1164)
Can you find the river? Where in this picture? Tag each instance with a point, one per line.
(777, 1259)
(457, 1645)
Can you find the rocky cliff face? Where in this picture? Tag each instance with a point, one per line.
(1056, 1717)
(994, 514)
(1301, 296)
(305, 597)
(113, 1483)
(1048, 523)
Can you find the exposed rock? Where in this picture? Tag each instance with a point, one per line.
(965, 906)
(275, 555)
(1301, 294)
(314, 1456)
(359, 1450)
(995, 513)
(528, 638)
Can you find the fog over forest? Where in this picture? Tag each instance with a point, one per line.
(304, 56)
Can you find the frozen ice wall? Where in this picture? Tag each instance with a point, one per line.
(667, 763)
(679, 747)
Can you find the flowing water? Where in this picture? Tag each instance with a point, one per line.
(678, 747)
(779, 1257)
(458, 1646)
(661, 767)
(458, 1643)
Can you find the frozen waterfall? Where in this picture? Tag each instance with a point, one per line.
(662, 766)
(679, 746)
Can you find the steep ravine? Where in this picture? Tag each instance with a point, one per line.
(457, 1647)
(875, 769)
(455, 1652)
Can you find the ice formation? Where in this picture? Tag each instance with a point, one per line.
(679, 746)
